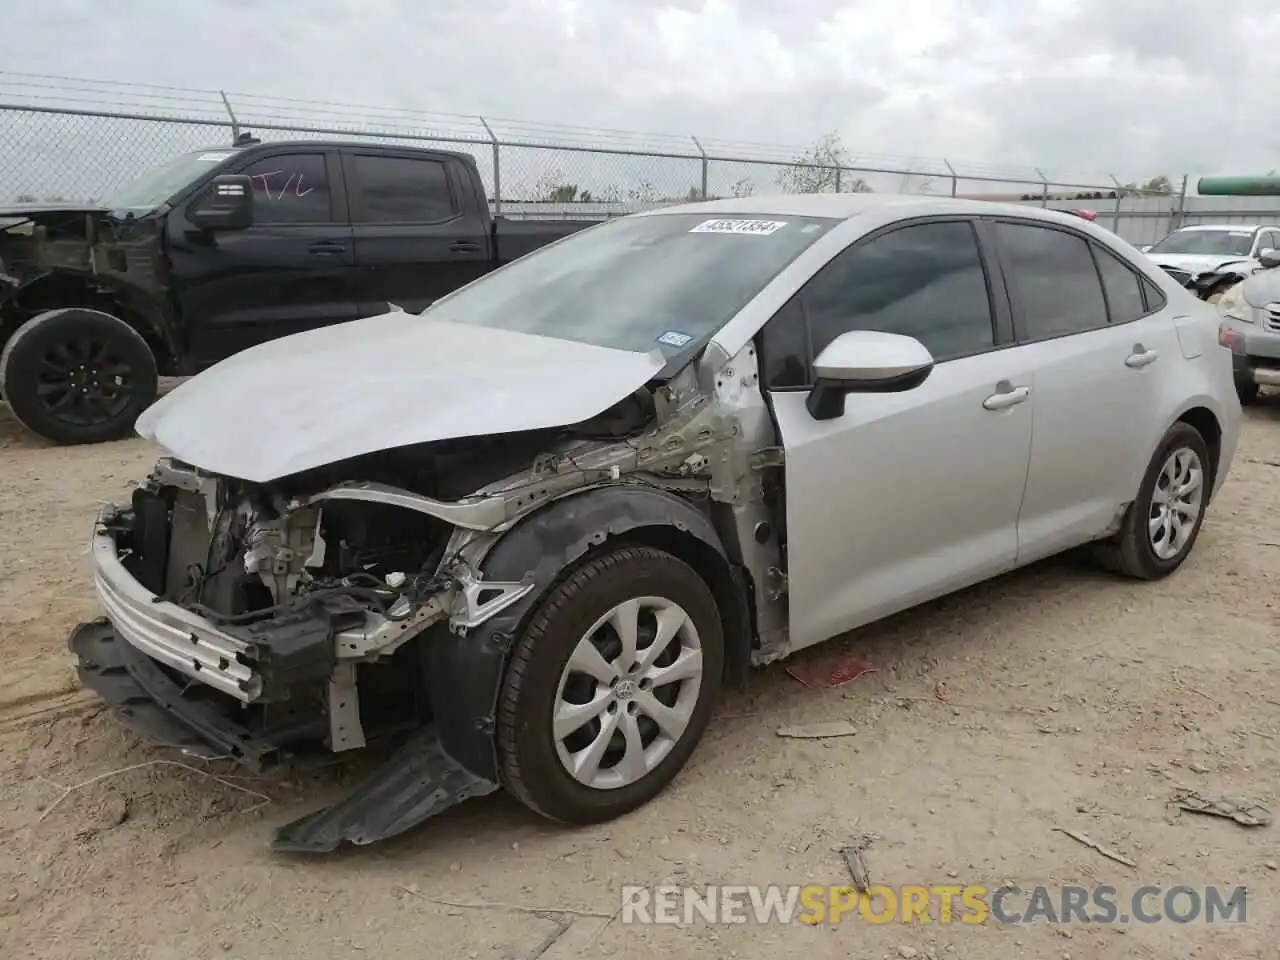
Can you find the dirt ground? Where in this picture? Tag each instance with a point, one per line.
(1056, 697)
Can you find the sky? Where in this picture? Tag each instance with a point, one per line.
(1074, 87)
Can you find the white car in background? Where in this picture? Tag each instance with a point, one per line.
(1210, 258)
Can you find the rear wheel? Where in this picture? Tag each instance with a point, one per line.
(611, 686)
(1247, 391)
(76, 375)
(1164, 520)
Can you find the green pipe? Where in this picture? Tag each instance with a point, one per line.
(1239, 186)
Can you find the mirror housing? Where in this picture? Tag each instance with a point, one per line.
(865, 361)
(226, 204)
(1269, 257)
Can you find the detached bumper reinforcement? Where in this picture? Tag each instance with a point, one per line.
(153, 705)
(416, 782)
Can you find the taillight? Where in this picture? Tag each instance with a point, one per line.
(1227, 337)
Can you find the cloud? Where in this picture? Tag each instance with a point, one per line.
(1077, 88)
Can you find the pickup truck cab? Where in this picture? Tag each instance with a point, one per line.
(222, 249)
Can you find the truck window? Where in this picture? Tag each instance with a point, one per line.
(290, 188)
(401, 190)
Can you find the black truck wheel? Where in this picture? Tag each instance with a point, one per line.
(1247, 391)
(610, 687)
(76, 375)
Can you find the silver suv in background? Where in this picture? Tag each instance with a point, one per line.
(1251, 327)
(1210, 258)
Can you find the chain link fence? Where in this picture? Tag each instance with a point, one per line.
(65, 139)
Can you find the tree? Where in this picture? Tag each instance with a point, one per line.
(1160, 184)
(818, 169)
(563, 193)
(742, 187)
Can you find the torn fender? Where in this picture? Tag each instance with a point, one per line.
(464, 673)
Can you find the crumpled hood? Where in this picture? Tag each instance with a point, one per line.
(388, 381)
(1263, 287)
(1198, 263)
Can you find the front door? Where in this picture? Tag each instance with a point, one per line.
(293, 270)
(415, 239)
(911, 495)
(1100, 343)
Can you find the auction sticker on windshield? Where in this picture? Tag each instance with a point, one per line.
(758, 228)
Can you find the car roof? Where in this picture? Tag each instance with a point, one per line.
(845, 206)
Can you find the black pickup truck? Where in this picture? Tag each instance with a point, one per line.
(222, 249)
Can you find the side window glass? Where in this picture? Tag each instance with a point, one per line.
(1154, 296)
(1123, 287)
(924, 281)
(784, 348)
(401, 190)
(1055, 280)
(290, 189)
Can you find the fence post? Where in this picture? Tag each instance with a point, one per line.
(704, 165)
(1115, 216)
(952, 171)
(497, 167)
(1176, 217)
(1044, 187)
(235, 124)
(838, 172)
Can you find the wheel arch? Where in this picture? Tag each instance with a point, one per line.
(61, 288)
(1206, 422)
(464, 674)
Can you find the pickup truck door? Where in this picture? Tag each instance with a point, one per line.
(911, 495)
(293, 270)
(421, 227)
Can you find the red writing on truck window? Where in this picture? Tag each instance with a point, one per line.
(293, 185)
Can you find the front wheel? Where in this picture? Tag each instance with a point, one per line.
(611, 686)
(1247, 391)
(1163, 522)
(76, 375)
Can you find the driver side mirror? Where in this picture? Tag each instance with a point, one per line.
(865, 361)
(1269, 257)
(226, 204)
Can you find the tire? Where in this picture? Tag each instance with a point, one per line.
(54, 369)
(1132, 551)
(533, 763)
(1247, 391)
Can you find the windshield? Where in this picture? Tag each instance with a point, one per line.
(154, 188)
(668, 280)
(1213, 242)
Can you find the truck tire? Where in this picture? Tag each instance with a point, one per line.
(1247, 391)
(75, 375)
(587, 730)
(1149, 546)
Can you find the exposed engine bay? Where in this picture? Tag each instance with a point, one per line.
(372, 599)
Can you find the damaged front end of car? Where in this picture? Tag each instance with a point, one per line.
(374, 601)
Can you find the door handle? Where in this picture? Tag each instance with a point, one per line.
(464, 246)
(1004, 399)
(327, 246)
(1140, 357)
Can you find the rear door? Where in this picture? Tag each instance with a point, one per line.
(416, 237)
(293, 270)
(1100, 350)
(911, 495)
